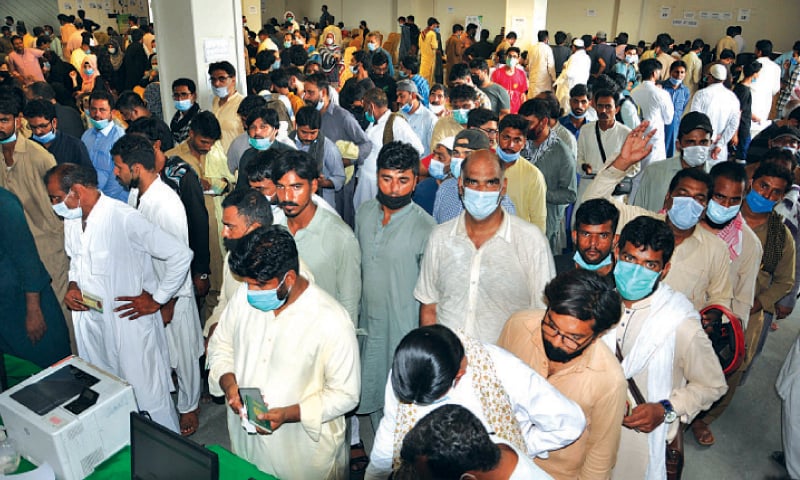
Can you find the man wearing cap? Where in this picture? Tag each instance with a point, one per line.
(773, 137)
(418, 117)
(576, 70)
(448, 205)
(693, 146)
(604, 56)
(722, 108)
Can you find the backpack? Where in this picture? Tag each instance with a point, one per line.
(627, 98)
(727, 339)
(388, 129)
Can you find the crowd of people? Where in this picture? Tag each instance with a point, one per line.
(509, 263)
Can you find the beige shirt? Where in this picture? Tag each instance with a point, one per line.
(772, 287)
(694, 71)
(478, 289)
(594, 380)
(700, 264)
(528, 190)
(589, 150)
(229, 120)
(697, 381)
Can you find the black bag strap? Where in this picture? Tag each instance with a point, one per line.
(634, 389)
(599, 142)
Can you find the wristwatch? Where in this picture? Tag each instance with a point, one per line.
(669, 412)
(203, 276)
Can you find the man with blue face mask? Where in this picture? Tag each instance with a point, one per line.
(262, 128)
(184, 96)
(226, 101)
(420, 118)
(486, 264)
(42, 120)
(101, 135)
(663, 349)
(594, 237)
(306, 341)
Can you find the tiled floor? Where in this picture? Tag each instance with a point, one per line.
(746, 435)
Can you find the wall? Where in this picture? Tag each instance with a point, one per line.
(33, 13)
(773, 19)
(98, 13)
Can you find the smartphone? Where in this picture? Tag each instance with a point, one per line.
(254, 405)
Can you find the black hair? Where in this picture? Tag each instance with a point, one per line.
(479, 116)
(267, 115)
(585, 295)
(512, 49)
(597, 211)
(694, 174)
(457, 28)
(730, 170)
(484, 35)
(727, 53)
(185, 82)
(411, 64)
(299, 162)
(320, 80)
(560, 37)
(439, 86)
(459, 70)
(137, 34)
(552, 102)
(205, 124)
(425, 364)
(645, 232)
(463, 92)
(598, 94)
(780, 155)
(265, 59)
(149, 128)
(379, 59)
(265, 253)
(10, 104)
(676, 64)
(648, 67)
(133, 149)
(298, 55)
(751, 68)
(479, 64)
(260, 167)
(102, 95)
(452, 441)
(765, 46)
(308, 117)
(432, 21)
(364, 58)
(279, 78)
(537, 107)
(258, 82)
(69, 174)
(698, 43)
(514, 121)
(224, 65)
(251, 205)
(377, 97)
(542, 35)
(42, 90)
(769, 169)
(129, 100)
(398, 156)
(579, 90)
(39, 108)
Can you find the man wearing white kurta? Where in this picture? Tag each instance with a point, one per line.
(111, 248)
(287, 337)
(722, 108)
(542, 66)
(768, 85)
(576, 71)
(656, 106)
(377, 108)
(134, 160)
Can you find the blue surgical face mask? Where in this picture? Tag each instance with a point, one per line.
(89, 71)
(631, 59)
(436, 169)
(437, 29)
(12, 138)
(370, 117)
(46, 65)
(675, 81)
(402, 74)
(371, 47)
(461, 115)
(220, 92)
(63, 211)
(685, 212)
(455, 166)
(266, 300)
(354, 69)
(758, 203)
(183, 105)
(319, 105)
(507, 157)
(588, 266)
(99, 124)
(406, 108)
(287, 44)
(634, 282)
(46, 138)
(260, 144)
(719, 214)
(574, 115)
(480, 204)
(276, 65)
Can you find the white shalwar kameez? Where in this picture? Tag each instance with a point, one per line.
(163, 207)
(113, 257)
(307, 355)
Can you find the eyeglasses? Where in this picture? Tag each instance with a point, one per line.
(490, 132)
(220, 79)
(552, 330)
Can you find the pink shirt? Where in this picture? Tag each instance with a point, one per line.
(516, 85)
(27, 65)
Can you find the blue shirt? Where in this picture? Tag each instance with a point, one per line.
(99, 143)
(448, 206)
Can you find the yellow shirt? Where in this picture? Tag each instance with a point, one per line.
(528, 190)
(229, 120)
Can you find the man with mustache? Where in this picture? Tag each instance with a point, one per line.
(560, 344)
(603, 139)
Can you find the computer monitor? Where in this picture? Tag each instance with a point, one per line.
(159, 453)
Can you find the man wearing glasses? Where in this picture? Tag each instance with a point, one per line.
(560, 344)
(226, 101)
(184, 96)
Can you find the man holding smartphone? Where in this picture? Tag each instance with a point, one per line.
(285, 336)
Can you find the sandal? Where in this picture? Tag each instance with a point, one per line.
(189, 422)
(702, 433)
(358, 458)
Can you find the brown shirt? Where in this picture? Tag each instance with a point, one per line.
(594, 380)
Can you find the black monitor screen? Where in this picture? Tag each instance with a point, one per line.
(159, 453)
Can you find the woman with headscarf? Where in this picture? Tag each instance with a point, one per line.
(330, 59)
(109, 61)
(290, 22)
(89, 73)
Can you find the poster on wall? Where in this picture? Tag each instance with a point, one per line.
(518, 26)
(744, 15)
(217, 49)
(477, 20)
(79, 4)
(665, 13)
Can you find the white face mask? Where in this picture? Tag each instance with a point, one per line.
(437, 109)
(695, 155)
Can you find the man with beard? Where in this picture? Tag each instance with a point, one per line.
(322, 149)
(560, 344)
(664, 350)
(324, 241)
(602, 140)
(382, 77)
(594, 237)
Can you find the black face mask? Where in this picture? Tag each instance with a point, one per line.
(559, 355)
(394, 203)
(476, 79)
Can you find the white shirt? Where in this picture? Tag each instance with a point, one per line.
(656, 106)
(306, 355)
(368, 174)
(525, 469)
(548, 419)
(767, 86)
(576, 70)
(588, 149)
(422, 122)
(478, 289)
(722, 108)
